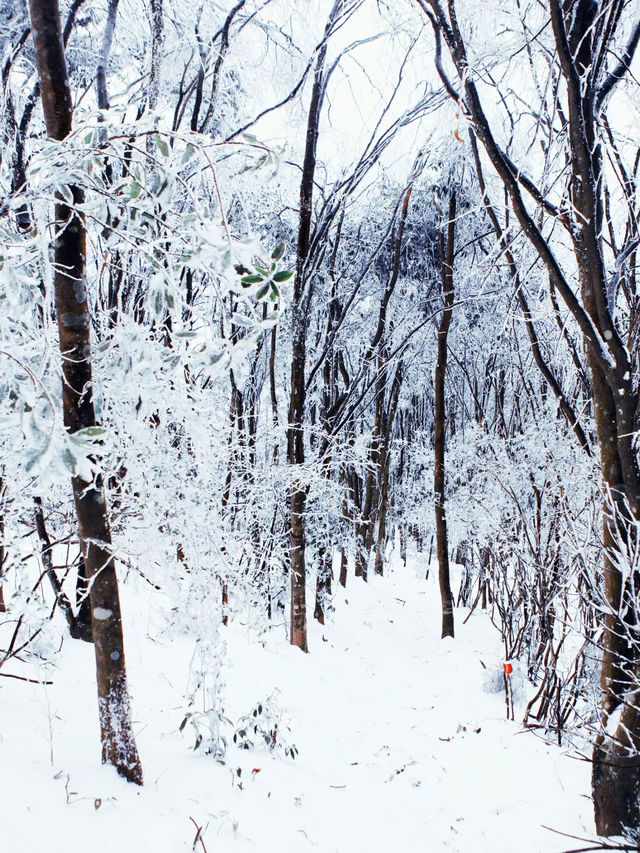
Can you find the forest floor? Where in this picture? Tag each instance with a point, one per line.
(402, 737)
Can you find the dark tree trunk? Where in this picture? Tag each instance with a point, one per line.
(384, 471)
(295, 433)
(440, 418)
(343, 567)
(323, 585)
(72, 309)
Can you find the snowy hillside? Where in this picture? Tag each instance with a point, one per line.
(402, 739)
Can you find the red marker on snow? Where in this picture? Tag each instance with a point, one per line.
(507, 668)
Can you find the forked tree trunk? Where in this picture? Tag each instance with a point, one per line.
(72, 309)
(442, 545)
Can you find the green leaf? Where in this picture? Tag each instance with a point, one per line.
(251, 279)
(262, 291)
(69, 461)
(189, 151)
(275, 293)
(262, 271)
(135, 190)
(91, 432)
(162, 146)
(278, 252)
(283, 275)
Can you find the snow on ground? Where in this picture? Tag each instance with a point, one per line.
(402, 738)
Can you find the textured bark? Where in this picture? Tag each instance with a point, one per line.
(72, 309)
(440, 420)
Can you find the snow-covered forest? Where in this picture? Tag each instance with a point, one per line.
(319, 398)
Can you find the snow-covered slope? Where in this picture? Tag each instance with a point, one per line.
(402, 739)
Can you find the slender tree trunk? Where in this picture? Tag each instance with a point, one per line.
(72, 309)
(3, 553)
(103, 61)
(442, 545)
(343, 567)
(295, 433)
(298, 493)
(323, 584)
(157, 43)
(384, 472)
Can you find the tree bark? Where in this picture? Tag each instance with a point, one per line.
(440, 419)
(72, 309)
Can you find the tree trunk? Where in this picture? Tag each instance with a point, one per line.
(72, 309)
(384, 472)
(343, 567)
(295, 433)
(103, 61)
(440, 417)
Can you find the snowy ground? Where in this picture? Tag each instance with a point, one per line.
(402, 745)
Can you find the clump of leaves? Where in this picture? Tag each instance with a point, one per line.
(261, 727)
(266, 276)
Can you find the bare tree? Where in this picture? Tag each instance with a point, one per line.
(585, 36)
